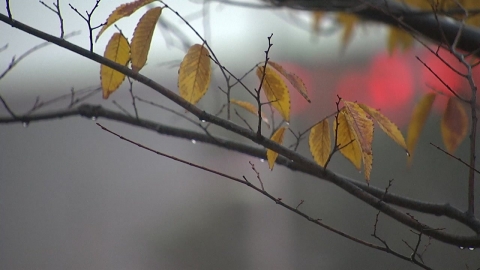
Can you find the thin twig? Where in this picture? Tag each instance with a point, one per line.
(5, 104)
(440, 79)
(88, 20)
(258, 175)
(455, 157)
(257, 91)
(57, 11)
(130, 89)
(9, 13)
(35, 48)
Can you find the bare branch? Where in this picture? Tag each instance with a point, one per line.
(57, 11)
(268, 195)
(96, 112)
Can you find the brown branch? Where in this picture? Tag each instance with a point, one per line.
(278, 201)
(97, 112)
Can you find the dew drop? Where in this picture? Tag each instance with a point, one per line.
(25, 124)
(262, 160)
(194, 142)
(288, 123)
(203, 121)
(471, 248)
(461, 247)
(94, 118)
(408, 154)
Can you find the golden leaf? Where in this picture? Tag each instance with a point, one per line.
(317, 17)
(142, 37)
(122, 11)
(472, 5)
(386, 125)
(294, 80)
(272, 155)
(367, 165)
(361, 126)
(194, 74)
(319, 142)
(348, 21)
(399, 38)
(117, 50)
(419, 116)
(454, 124)
(349, 146)
(276, 91)
(251, 108)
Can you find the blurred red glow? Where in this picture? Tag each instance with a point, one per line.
(390, 82)
(429, 82)
(387, 85)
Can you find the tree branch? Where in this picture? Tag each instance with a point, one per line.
(308, 165)
(398, 14)
(93, 111)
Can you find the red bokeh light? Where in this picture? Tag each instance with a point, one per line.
(352, 86)
(390, 82)
(448, 76)
(388, 85)
(429, 82)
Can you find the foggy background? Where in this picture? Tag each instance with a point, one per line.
(75, 197)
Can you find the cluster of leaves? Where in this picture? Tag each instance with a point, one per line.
(353, 124)
(399, 38)
(454, 124)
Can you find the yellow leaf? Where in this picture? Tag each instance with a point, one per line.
(123, 11)
(251, 108)
(272, 155)
(142, 37)
(294, 80)
(276, 91)
(367, 165)
(117, 50)
(454, 124)
(348, 21)
(319, 142)
(361, 123)
(386, 125)
(194, 74)
(419, 116)
(421, 4)
(349, 146)
(317, 17)
(473, 19)
(362, 128)
(399, 38)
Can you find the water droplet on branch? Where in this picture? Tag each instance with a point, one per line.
(194, 142)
